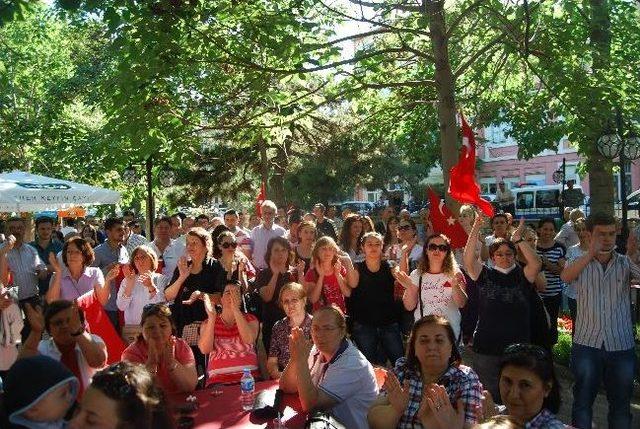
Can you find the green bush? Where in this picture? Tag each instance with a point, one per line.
(562, 349)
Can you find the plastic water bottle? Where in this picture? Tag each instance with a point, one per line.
(247, 389)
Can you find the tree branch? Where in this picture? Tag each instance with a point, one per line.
(462, 16)
(404, 8)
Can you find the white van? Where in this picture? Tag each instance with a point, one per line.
(537, 202)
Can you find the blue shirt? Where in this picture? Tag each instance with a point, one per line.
(105, 255)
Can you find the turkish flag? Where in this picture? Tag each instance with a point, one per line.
(444, 222)
(100, 325)
(260, 199)
(462, 177)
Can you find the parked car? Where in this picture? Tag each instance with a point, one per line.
(362, 207)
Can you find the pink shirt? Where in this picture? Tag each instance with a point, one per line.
(137, 352)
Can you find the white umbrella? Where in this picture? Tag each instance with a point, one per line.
(25, 192)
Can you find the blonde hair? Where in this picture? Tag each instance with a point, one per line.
(147, 251)
(297, 288)
(322, 242)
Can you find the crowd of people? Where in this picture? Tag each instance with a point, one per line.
(362, 320)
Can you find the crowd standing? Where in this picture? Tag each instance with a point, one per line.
(364, 321)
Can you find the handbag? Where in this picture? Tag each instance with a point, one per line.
(322, 420)
(191, 333)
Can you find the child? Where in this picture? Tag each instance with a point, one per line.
(39, 391)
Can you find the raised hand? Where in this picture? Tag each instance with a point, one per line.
(403, 278)
(75, 324)
(209, 306)
(145, 279)
(35, 317)
(113, 273)
(195, 296)
(55, 265)
(128, 271)
(397, 394)
(153, 354)
(441, 408)
(183, 267)
(8, 245)
(517, 234)
(299, 345)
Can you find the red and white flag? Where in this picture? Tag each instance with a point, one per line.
(444, 222)
(462, 177)
(260, 199)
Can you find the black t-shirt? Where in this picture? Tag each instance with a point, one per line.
(209, 280)
(326, 228)
(271, 311)
(372, 302)
(509, 311)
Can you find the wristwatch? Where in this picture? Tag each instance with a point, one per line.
(518, 241)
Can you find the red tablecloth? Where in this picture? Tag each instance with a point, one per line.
(225, 410)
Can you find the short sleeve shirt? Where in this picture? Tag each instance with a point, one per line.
(279, 347)
(105, 256)
(138, 352)
(348, 379)
(23, 262)
(331, 293)
(436, 295)
(71, 289)
(461, 382)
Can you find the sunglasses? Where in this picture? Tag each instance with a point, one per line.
(441, 247)
(404, 227)
(526, 349)
(227, 245)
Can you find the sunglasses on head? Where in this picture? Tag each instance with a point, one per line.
(226, 245)
(441, 247)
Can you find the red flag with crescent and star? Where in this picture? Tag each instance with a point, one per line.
(260, 199)
(444, 222)
(462, 176)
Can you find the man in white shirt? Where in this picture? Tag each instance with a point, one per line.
(264, 232)
(167, 250)
(232, 221)
(505, 198)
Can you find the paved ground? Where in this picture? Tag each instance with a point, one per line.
(566, 382)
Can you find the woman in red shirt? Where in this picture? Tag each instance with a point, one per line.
(229, 338)
(169, 358)
(326, 281)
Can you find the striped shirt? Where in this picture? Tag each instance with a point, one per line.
(553, 255)
(23, 261)
(604, 302)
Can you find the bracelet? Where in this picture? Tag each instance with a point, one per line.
(518, 241)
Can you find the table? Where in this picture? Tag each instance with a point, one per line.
(224, 411)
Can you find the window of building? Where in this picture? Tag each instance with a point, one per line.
(535, 179)
(488, 185)
(511, 182)
(496, 135)
(617, 188)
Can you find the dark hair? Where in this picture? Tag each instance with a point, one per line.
(56, 307)
(595, 219)
(294, 216)
(202, 216)
(341, 319)
(158, 310)
(497, 215)
(215, 235)
(500, 242)
(387, 235)
(449, 265)
(369, 222)
(44, 219)
(305, 224)
(537, 360)
(128, 213)
(319, 206)
(412, 360)
(83, 245)
(140, 402)
(230, 212)
(166, 219)
(545, 220)
(204, 237)
(94, 232)
(272, 242)
(111, 222)
(345, 238)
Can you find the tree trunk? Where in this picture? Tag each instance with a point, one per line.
(600, 175)
(445, 87)
(264, 165)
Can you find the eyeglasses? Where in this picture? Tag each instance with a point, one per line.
(227, 245)
(404, 227)
(526, 349)
(441, 247)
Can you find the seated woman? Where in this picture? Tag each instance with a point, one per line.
(169, 358)
(140, 286)
(83, 353)
(431, 373)
(293, 300)
(529, 387)
(123, 395)
(229, 338)
(332, 374)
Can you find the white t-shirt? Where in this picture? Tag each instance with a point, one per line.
(437, 298)
(349, 380)
(49, 348)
